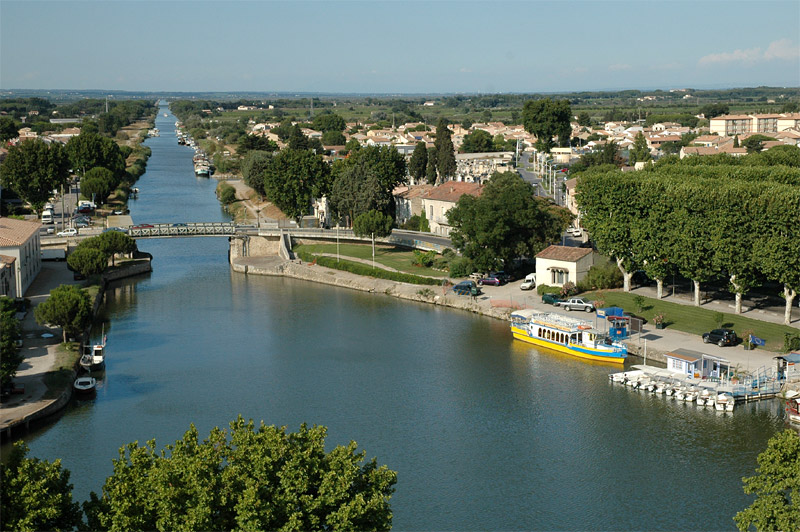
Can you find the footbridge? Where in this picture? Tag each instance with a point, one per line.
(410, 239)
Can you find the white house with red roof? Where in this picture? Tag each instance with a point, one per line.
(20, 239)
(437, 201)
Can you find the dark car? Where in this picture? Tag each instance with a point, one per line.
(551, 299)
(491, 280)
(503, 276)
(465, 288)
(721, 337)
(142, 226)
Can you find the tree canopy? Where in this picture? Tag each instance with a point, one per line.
(418, 162)
(373, 223)
(365, 181)
(89, 150)
(294, 178)
(252, 478)
(776, 485)
(68, 307)
(98, 183)
(253, 167)
(328, 122)
(87, 261)
(445, 152)
(10, 332)
(507, 221)
(33, 169)
(248, 143)
(546, 119)
(36, 494)
(479, 141)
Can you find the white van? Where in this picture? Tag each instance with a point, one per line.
(529, 283)
(47, 217)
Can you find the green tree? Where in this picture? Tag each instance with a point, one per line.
(479, 141)
(35, 494)
(9, 129)
(248, 143)
(418, 162)
(90, 150)
(776, 486)
(777, 248)
(639, 152)
(227, 194)
(68, 307)
(755, 143)
(98, 183)
(546, 119)
(373, 223)
(430, 169)
(352, 145)
(110, 243)
(258, 479)
(33, 169)
(505, 222)
(294, 178)
(365, 181)
(297, 140)
(610, 211)
(329, 122)
(333, 138)
(87, 261)
(10, 332)
(254, 166)
(466, 123)
(584, 119)
(445, 152)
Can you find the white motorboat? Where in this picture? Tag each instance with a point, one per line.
(85, 385)
(94, 357)
(690, 396)
(704, 398)
(723, 402)
(680, 393)
(793, 406)
(661, 387)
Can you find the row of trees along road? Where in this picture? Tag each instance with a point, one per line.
(248, 478)
(705, 219)
(507, 221)
(33, 168)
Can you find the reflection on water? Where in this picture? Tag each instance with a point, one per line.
(485, 432)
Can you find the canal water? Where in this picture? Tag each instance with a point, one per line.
(484, 432)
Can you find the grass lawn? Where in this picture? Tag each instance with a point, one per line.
(398, 258)
(697, 320)
(60, 376)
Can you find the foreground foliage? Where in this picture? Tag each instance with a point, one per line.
(261, 478)
(36, 494)
(776, 485)
(10, 356)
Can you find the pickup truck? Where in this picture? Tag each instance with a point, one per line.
(576, 303)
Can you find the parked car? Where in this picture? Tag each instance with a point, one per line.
(68, 232)
(465, 288)
(490, 280)
(529, 283)
(118, 229)
(503, 276)
(551, 299)
(576, 303)
(80, 223)
(721, 337)
(142, 226)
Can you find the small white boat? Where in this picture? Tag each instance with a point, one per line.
(793, 406)
(690, 396)
(704, 398)
(722, 402)
(94, 357)
(680, 393)
(85, 385)
(661, 387)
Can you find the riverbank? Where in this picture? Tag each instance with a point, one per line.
(651, 345)
(46, 390)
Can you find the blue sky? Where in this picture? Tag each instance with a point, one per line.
(398, 47)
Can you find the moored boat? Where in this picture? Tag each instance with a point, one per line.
(566, 334)
(723, 402)
(94, 357)
(793, 406)
(85, 385)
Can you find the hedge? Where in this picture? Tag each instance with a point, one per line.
(363, 269)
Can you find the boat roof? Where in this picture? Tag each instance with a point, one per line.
(561, 321)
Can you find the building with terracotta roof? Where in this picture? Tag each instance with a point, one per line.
(20, 239)
(409, 201)
(8, 277)
(756, 123)
(441, 199)
(558, 265)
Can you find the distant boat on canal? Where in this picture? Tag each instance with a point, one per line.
(566, 334)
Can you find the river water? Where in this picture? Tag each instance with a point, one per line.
(484, 432)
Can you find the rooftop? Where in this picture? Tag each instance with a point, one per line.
(15, 233)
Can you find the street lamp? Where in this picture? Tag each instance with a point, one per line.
(258, 218)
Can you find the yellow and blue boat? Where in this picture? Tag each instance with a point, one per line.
(566, 334)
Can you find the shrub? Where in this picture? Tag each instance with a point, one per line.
(545, 289)
(791, 342)
(424, 259)
(568, 289)
(601, 276)
(449, 254)
(461, 267)
(440, 263)
(227, 194)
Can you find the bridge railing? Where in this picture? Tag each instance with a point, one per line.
(182, 229)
